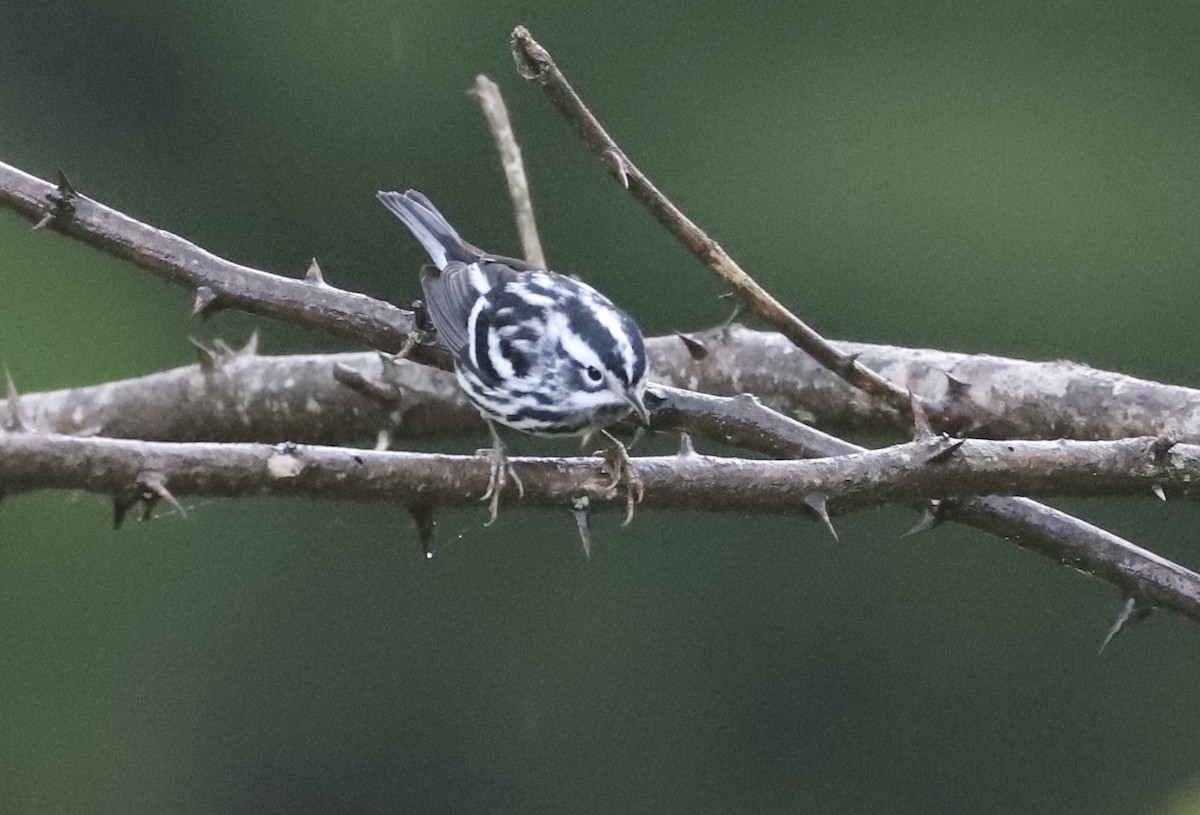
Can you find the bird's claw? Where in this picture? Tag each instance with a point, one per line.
(501, 472)
(618, 463)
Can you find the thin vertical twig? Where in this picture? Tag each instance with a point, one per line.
(490, 99)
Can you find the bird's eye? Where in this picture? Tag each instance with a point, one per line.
(594, 373)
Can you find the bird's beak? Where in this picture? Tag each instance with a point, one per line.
(639, 407)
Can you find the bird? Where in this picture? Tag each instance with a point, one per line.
(534, 350)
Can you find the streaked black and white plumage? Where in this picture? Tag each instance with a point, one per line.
(533, 350)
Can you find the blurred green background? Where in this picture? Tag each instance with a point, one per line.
(1016, 178)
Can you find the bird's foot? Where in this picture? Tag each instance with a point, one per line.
(502, 471)
(618, 463)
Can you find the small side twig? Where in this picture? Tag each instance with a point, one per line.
(495, 111)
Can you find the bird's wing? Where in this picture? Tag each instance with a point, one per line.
(450, 294)
(461, 271)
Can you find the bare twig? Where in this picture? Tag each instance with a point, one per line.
(535, 63)
(496, 112)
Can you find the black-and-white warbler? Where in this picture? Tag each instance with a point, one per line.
(533, 350)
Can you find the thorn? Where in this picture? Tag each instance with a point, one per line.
(686, 448)
(654, 398)
(847, 363)
(956, 389)
(313, 275)
(931, 516)
(921, 427)
(156, 483)
(818, 502)
(579, 508)
(696, 349)
(1157, 489)
(120, 508)
(61, 203)
(383, 440)
(205, 298)
(65, 188)
(1161, 446)
(1130, 612)
(15, 422)
(950, 448)
(422, 515)
(210, 360)
(619, 164)
(250, 349)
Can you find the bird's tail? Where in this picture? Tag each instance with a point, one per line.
(428, 226)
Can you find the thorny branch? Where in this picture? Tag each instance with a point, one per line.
(297, 398)
(742, 421)
(934, 467)
(216, 283)
(136, 470)
(244, 397)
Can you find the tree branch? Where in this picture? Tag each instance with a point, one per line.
(936, 467)
(298, 398)
(983, 395)
(216, 282)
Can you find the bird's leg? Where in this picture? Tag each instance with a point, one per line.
(617, 458)
(501, 472)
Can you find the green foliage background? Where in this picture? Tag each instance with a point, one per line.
(1017, 178)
